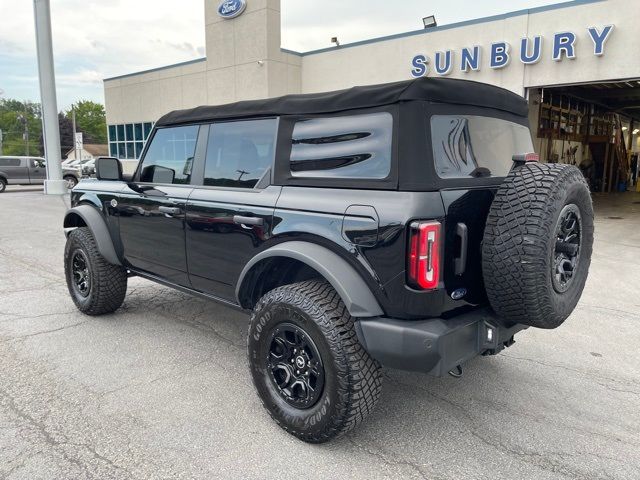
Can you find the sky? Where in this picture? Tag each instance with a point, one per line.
(96, 39)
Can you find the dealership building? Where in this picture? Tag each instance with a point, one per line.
(577, 63)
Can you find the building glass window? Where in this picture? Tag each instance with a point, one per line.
(126, 141)
(239, 153)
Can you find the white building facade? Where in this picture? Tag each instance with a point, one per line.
(580, 43)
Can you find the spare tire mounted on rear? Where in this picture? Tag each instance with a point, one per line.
(537, 244)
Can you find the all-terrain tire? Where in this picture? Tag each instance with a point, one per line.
(107, 283)
(352, 379)
(519, 250)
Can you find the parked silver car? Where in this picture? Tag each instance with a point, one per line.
(31, 171)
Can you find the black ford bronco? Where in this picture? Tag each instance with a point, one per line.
(406, 225)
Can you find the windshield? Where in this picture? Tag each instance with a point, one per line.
(474, 146)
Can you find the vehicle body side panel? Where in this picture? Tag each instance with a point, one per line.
(317, 215)
(217, 245)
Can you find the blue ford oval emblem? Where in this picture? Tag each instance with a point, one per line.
(231, 8)
(459, 293)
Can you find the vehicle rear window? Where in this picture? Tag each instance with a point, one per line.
(9, 162)
(475, 146)
(351, 146)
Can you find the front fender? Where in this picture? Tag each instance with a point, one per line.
(89, 216)
(351, 287)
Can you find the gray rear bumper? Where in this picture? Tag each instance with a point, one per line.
(435, 345)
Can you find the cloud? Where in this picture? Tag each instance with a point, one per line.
(96, 39)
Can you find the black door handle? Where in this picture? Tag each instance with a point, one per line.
(257, 221)
(461, 261)
(170, 210)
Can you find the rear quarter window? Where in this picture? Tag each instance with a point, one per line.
(9, 162)
(468, 146)
(350, 146)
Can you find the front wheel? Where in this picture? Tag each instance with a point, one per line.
(71, 181)
(96, 286)
(314, 378)
(3, 184)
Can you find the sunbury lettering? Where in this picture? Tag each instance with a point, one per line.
(500, 54)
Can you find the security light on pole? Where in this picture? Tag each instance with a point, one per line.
(429, 21)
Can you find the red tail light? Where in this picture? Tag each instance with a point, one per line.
(424, 255)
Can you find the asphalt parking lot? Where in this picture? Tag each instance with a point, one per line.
(161, 389)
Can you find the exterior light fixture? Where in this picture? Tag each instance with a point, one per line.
(429, 21)
(635, 132)
(336, 41)
(624, 129)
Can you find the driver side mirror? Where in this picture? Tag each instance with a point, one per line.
(108, 169)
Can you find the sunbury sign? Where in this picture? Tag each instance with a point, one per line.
(500, 54)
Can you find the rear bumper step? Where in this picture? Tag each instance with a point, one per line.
(435, 345)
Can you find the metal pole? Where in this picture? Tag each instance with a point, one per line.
(26, 130)
(75, 143)
(50, 129)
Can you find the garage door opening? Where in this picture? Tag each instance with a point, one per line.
(594, 126)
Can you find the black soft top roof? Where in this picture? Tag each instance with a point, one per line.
(438, 90)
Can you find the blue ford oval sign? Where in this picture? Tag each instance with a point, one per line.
(231, 8)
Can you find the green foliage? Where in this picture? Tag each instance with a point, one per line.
(13, 116)
(91, 120)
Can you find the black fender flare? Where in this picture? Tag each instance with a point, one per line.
(94, 221)
(351, 287)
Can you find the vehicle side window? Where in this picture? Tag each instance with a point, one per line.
(351, 146)
(239, 153)
(9, 162)
(36, 163)
(169, 158)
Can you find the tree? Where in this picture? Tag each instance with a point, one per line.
(17, 118)
(91, 120)
(66, 134)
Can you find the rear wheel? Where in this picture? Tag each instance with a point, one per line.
(537, 244)
(311, 373)
(96, 286)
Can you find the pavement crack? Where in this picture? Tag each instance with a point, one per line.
(395, 461)
(44, 332)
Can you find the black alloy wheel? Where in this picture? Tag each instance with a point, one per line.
(95, 285)
(295, 366)
(567, 250)
(310, 371)
(81, 273)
